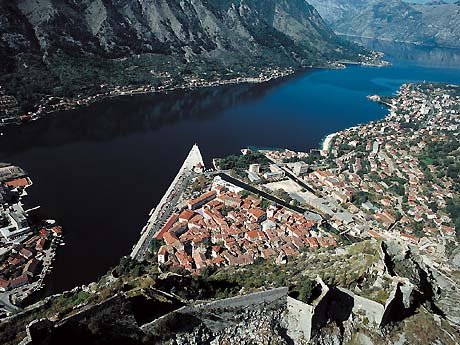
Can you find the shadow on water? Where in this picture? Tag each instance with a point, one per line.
(112, 118)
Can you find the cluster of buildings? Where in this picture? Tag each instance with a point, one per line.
(223, 228)
(9, 104)
(387, 160)
(23, 263)
(376, 180)
(25, 251)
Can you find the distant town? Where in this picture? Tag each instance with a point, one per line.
(9, 105)
(26, 249)
(10, 108)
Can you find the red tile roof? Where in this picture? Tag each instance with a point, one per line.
(167, 226)
(170, 238)
(21, 182)
(186, 214)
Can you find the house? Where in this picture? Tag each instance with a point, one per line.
(4, 285)
(230, 258)
(186, 215)
(447, 230)
(40, 244)
(162, 255)
(201, 200)
(19, 281)
(298, 168)
(268, 225)
(386, 219)
(170, 239)
(312, 242)
(173, 219)
(257, 214)
(268, 253)
(17, 223)
(184, 260)
(200, 260)
(43, 233)
(56, 230)
(215, 250)
(218, 261)
(18, 183)
(410, 238)
(26, 253)
(179, 228)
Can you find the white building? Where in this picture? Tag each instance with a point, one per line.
(17, 223)
(298, 168)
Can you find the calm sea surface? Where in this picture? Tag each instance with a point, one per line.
(99, 170)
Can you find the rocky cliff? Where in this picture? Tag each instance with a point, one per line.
(67, 47)
(418, 306)
(435, 23)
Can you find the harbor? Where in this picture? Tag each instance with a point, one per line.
(27, 247)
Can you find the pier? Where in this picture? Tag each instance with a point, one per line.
(165, 207)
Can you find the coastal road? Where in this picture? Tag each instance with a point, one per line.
(166, 205)
(254, 190)
(6, 304)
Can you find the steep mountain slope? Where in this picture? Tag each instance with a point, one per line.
(68, 47)
(436, 23)
(334, 10)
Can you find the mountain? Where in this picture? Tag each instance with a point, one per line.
(434, 23)
(67, 48)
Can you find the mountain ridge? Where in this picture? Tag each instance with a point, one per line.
(430, 23)
(65, 48)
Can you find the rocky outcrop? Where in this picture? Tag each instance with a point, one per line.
(423, 304)
(422, 284)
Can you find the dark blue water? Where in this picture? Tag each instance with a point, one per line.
(99, 170)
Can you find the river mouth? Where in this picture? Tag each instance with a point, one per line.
(99, 170)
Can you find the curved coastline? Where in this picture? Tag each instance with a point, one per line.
(326, 142)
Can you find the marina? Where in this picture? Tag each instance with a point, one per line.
(27, 245)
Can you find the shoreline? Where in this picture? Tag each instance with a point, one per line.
(417, 44)
(326, 142)
(268, 74)
(32, 242)
(45, 109)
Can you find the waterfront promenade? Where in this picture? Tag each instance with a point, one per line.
(165, 207)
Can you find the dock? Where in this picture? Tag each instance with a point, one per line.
(165, 207)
